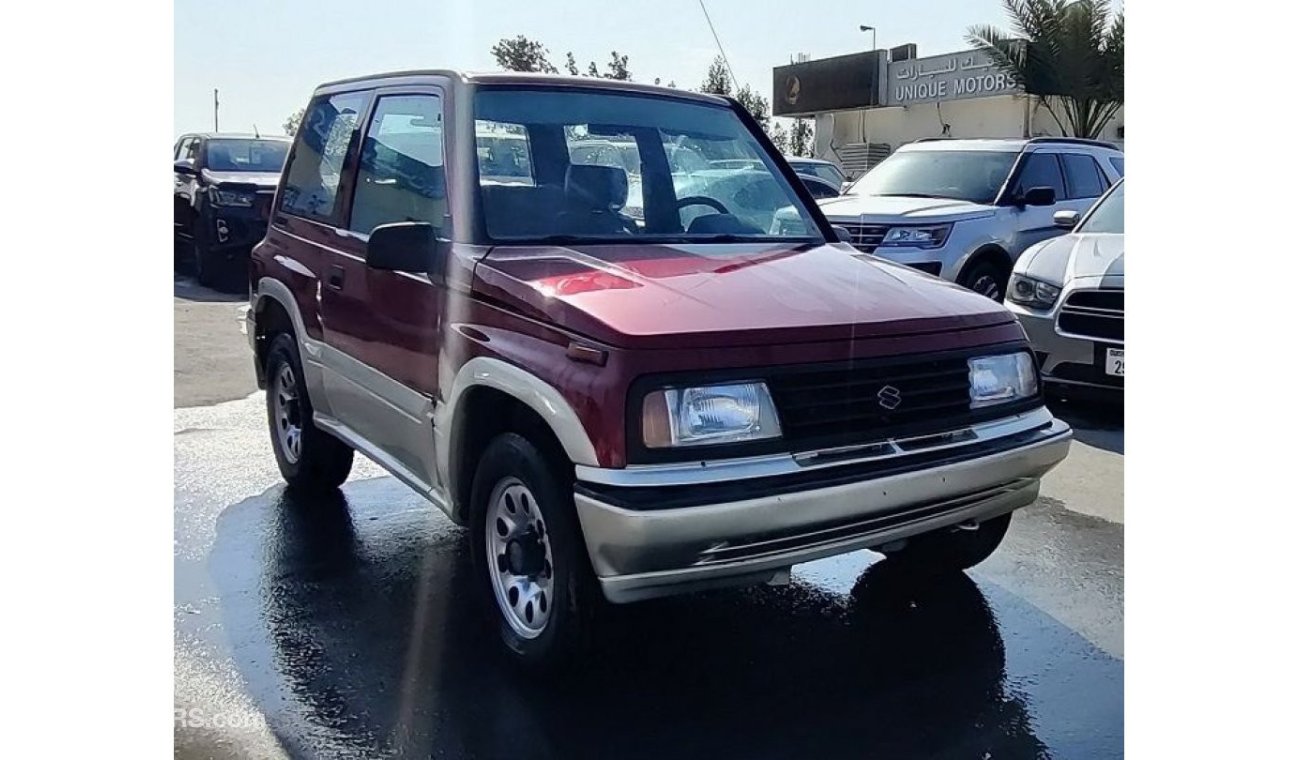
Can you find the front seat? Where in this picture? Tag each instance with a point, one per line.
(593, 196)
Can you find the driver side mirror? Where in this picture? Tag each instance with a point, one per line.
(1038, 196)
(184, 166)
(842, 233)
(1066, 219)
(408, 247)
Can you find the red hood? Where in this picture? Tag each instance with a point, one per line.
(675, 296)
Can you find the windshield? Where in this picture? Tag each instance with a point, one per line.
(247, 155)
(1108, 215)
(583, 165)
(820, 171)
(966, 175)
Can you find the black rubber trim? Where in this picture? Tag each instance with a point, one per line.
(650, 498)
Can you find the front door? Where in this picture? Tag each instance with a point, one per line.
(1035, 223)
(388, 323)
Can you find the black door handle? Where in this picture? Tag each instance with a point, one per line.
(335, 279)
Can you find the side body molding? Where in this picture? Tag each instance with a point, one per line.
(514, 381)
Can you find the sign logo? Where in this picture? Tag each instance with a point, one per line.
(889, 397)
(792, 89)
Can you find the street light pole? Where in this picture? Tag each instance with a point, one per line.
(872, 29)
(216, 105)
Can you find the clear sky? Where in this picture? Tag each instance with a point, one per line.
(265, 57)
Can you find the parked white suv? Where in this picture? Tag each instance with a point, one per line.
(964, 210)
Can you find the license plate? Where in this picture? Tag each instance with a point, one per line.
(1115, 361)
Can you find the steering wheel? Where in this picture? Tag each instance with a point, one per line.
(701, 200)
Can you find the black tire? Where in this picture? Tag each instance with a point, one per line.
(986, 278)
(322, 462)
(567, 632)
(950, 550)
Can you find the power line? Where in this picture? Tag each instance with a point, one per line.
(734, 82)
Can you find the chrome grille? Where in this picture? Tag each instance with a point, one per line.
(1094, 314)
(865, 237)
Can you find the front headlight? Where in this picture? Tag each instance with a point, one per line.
(1000, 379)
(930, 236)
(708, 414)
(1030, 292)
(235, 198)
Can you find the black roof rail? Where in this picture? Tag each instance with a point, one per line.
(1073, 141)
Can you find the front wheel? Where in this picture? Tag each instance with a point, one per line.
(952, 550)
(987, 279)
(529, 554)
(309, 458)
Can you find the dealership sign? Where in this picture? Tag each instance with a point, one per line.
(954, 76)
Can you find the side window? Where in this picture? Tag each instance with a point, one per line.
(1042, 170)
(192, 150)
(401, 177)
(1118, 163)
(181, 147)
(311, 185)
(1083, 176)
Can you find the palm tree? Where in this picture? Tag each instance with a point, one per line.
(1069, 54)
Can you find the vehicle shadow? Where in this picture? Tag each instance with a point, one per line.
(1097, 423)
(190, 290)
(355, 625)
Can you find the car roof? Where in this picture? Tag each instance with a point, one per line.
(234, 136)
(808, 160)
(1007, 144)
(517, 78)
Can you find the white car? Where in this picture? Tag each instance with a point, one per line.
(965, 210)
(1068, 293)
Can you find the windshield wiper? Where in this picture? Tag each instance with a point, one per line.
(914, 195)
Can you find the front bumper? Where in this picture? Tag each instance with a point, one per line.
(755, 529)
(1066, 360)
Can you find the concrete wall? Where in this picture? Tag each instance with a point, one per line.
(1001, 116)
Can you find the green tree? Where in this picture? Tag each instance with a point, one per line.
(717, 81)
(570, 65)
(522, 54)
(754, 103)
(801, 138)
(1068, 53)
(291, 123)
(617, 67)
(780, 138)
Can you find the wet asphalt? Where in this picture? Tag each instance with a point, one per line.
(342, 626)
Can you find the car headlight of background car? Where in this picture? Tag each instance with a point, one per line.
(1000, 379)
(1030, 292)
(231, 198)
(928, 236)
(728, 413)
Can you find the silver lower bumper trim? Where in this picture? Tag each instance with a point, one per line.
(642, 554)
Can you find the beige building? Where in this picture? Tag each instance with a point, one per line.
(866, 105)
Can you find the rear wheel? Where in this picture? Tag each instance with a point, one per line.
(529, 554)
(952, 550)
(309, 458)
(987, 279)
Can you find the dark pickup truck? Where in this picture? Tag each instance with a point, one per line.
(224, 184)
(622, 406)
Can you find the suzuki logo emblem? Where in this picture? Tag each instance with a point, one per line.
(889, 397)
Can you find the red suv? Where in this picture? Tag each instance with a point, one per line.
(627, 378)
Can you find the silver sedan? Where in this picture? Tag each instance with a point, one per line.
(1068, 293)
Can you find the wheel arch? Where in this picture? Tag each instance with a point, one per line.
(988, 252)
(274, 311)
(490, 396)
